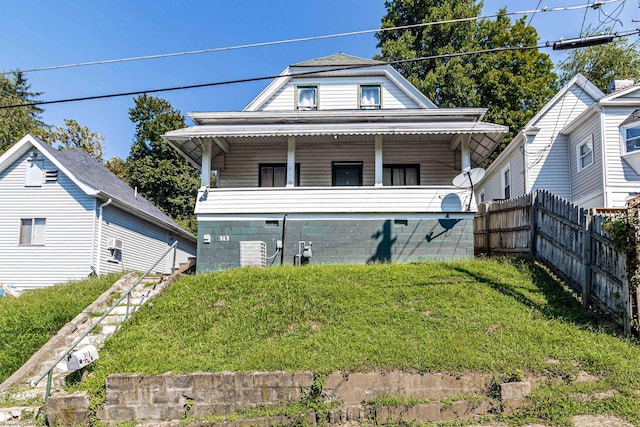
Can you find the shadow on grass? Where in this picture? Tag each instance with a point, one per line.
(560, 303)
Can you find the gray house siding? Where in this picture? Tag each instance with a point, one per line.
(68, 211)
(438, 164)
(586, 184)
(622, 181)
(142, 244)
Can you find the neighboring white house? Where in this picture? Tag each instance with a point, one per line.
(62, 212)
(342, 152)
(583, 146)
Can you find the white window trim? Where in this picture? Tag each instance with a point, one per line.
(375, 107)
(507, 169)
(588, 142)
(623, 135)
(297, 96)
(33, 234)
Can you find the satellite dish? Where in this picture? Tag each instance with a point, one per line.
(467, 178)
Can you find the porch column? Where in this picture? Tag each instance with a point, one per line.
(291, 161)
(378, 161)
(465, 154)
(205, 173)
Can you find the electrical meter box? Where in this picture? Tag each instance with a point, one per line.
(81, 358)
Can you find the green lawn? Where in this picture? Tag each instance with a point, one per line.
(501, 316)
(28, 322)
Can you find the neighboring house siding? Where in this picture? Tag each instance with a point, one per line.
(586, 184)
(621, 178)
(69, 216)
(339, 93)
(547, 152)
(143, 243)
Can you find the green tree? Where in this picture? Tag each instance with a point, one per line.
(161, 175)
(17, 122)
(602, 64)
(76, 136)
(512, 84)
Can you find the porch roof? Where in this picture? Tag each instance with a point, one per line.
(274, 127)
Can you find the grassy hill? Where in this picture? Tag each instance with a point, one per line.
(28, 322)
(501, 316)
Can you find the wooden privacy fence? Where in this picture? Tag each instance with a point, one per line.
(569, 240)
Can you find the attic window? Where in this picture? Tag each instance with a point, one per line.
(370, 97)
(307, 97)
(51, 175)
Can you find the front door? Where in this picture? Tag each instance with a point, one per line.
(347, 174)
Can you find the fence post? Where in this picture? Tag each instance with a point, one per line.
(487, 232)
(532, 224)
(586, 259)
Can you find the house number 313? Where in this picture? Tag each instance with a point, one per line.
(223, 238)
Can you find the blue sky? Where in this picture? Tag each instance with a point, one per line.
(41, 33)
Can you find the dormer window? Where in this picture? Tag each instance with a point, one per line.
(307, 97)
(630, 129)
(633, 138)
(370, 97)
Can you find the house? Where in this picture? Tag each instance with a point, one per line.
(338, 160)
(583, 146)
(63, 213)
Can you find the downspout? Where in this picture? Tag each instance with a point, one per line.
(102, 206)
(93, 235)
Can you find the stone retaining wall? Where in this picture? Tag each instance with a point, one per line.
(171, 396)
(160, 398)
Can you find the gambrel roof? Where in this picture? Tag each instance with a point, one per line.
(94, 180)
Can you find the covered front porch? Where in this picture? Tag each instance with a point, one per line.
(352, 186)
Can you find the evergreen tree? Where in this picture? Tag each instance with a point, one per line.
(161, 175)
(17, 122)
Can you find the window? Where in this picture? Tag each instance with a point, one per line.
(506, 183)
(275, 175)
(399, 175)
(346, 174)
(34, 173)
(584, 154)
(632, 138)
(370, 97)
(32, 231)
(307, 97)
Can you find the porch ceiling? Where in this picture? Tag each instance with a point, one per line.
(484, 137)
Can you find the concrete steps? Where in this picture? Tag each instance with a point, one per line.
(24, 378)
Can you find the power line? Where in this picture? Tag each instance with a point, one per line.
(311, 38)
(305, 73)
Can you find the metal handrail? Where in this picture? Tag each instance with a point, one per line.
(49, 372)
